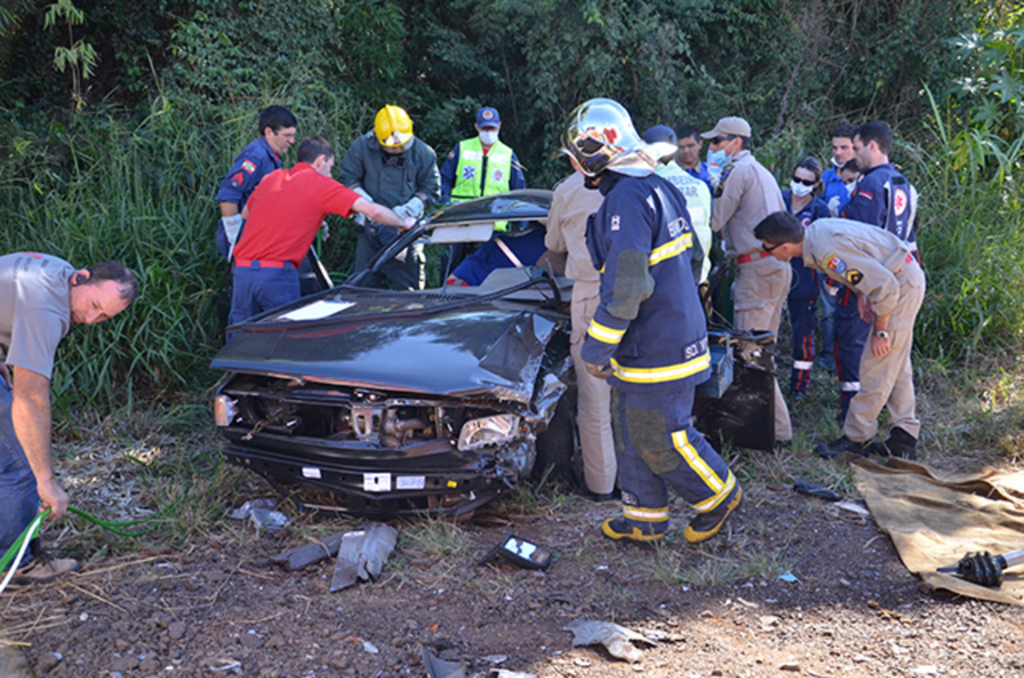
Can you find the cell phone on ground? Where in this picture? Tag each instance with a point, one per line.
(520, 552)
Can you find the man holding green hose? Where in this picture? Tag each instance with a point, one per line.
(40, 297)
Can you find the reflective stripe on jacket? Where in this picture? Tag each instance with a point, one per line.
(650, 325)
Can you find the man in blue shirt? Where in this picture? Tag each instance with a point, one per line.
(257, 160)
(648, 335)
(835, 194)
(834, 191)
(690, 144)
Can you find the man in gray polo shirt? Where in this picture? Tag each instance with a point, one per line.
(40, 297)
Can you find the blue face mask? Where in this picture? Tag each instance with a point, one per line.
(717, 161)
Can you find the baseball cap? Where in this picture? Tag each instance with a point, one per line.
(488, 117)
(660, 133)
(732, 126)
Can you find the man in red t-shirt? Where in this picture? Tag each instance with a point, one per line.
(282, 218)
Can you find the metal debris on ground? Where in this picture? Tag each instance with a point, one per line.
(815, 490)
(853, 507)
(303, 556)
(262, 514)
(362, 554)
(790, 577)
(439, 668)
(614, 637)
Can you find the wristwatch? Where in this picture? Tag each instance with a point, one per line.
(882, 334)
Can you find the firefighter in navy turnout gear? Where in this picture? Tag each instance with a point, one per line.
(883, 197)
(648, 336)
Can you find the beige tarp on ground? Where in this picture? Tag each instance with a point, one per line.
(935, 518)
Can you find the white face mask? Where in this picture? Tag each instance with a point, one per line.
(800, 190)
(488, 138)
(850, 185)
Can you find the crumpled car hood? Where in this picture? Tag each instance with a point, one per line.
(470, 351)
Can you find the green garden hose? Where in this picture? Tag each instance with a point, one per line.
(20, 544)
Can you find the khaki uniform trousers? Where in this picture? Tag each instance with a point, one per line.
(759, 293)
(889, 382)
(594, 398)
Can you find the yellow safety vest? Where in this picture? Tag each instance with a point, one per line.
(492, 172)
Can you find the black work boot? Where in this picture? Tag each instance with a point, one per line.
(898, 444)
(840, 445)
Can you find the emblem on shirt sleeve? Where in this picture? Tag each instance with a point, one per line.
(249, 166)
(469, 172)
(854, 276)
(835, 264)
(866, 194)
(615, 223)
(899, 201)
(237, 180)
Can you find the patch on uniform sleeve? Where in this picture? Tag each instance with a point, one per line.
(854, 276)
(632, 286)
(469, 172)
(899, 201)
(249, 166)
(237, 180)
(835, 264)
(866, 195)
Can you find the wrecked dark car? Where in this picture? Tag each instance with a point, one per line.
(436, 402)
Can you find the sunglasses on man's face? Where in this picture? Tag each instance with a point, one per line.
(805, 182)
(721, 139)
(770, 249)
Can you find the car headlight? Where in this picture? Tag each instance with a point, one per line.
(493, 430)
(225, 409)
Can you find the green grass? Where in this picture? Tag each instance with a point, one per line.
(437, 537)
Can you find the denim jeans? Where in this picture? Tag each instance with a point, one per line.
(19, 500)
(261, 289)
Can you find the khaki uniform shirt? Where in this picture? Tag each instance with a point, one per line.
(571, 204)
(866, 259)
(749, 194)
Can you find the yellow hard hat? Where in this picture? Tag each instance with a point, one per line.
(393, 127)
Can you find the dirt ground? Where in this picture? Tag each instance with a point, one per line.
(849, 609)
(792, 586)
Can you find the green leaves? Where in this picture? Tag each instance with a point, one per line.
(80, 56)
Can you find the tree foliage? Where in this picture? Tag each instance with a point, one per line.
(178, 85)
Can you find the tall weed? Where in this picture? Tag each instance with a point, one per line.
(971, 234)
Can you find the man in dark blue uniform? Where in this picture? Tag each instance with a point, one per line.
(884, 198)
(257, 160)
(648, 336)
